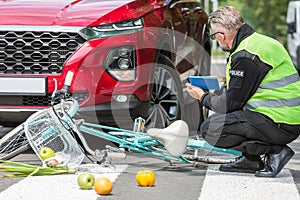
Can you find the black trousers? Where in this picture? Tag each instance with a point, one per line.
(249, 132)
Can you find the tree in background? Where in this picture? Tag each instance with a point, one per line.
(266, 17)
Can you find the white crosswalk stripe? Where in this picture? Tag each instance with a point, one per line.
(227, 186)
(57, 187)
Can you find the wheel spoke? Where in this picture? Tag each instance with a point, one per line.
(165, 99)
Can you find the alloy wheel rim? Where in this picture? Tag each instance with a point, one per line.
(164, 103)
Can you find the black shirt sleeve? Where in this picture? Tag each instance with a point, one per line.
(246, 74)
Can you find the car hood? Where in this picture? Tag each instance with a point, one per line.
(67, 12)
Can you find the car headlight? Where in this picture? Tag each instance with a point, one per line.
(109, 30)
(121, 63)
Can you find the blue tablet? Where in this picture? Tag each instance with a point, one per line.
(205, 82)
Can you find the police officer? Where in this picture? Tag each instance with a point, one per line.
(259, 113)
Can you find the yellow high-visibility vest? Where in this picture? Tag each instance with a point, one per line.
(278, 95)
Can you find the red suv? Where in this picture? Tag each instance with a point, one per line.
(131, 58)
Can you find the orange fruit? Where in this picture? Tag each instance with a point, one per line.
(145, 178)
(103, 186)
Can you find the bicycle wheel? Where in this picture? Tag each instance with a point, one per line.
(13, 143)
(200, 151)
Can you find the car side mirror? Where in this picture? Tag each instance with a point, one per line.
(291, 27)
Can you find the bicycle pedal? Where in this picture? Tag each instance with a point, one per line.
(116, 155)
(105, 164)
(79, 122)
(108, 164)
(114, 149)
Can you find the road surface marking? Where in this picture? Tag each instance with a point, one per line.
(57, 186)
(227, 186)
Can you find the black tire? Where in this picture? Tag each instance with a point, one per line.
(205, 63)
(166, 101)
(211, 157)
(298, 59)
(203, 114)
(204, 68)
(201, 151)
(13, 143)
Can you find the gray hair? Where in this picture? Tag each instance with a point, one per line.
(227, 17)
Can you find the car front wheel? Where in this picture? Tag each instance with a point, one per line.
(166, 95)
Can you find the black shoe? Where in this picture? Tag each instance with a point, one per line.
(275, 163)
(243, 165)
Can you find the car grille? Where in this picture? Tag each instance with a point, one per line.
(26, 100)
(34, 52)
(46, 100)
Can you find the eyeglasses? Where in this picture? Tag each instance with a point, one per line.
(213, 36)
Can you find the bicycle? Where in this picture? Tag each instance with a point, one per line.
(172, 143)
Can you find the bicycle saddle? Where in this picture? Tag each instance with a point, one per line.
(174, 137)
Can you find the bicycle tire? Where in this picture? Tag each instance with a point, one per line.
(13, 143)
(208, 156)
(199, 150)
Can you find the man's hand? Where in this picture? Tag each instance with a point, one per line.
(221, 79)
(194, 91)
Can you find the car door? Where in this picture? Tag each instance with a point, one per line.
(187, 23)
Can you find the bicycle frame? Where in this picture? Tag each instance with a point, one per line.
(143, 143)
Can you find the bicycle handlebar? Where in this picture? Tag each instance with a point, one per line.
(69, 78)
(68, 82)
(65, 91)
